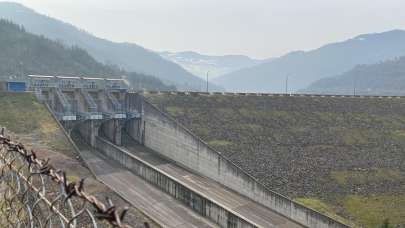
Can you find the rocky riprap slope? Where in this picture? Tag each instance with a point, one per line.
(328, 148)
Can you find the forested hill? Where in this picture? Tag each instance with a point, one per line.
(23, 53)
(385, 78)
(128, 56)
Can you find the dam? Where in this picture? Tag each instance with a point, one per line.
(122, 130)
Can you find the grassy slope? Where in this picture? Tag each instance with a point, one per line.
(24, 116)
(342, 156)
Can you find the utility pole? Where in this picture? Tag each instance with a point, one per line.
(286, 84)
(20, 66)
(354, 86)
(207, 80)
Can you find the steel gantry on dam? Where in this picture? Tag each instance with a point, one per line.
(81, 98)
(85, 100)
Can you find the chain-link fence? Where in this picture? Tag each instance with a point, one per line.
(35, 194)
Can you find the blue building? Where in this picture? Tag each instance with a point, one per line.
(16, 86)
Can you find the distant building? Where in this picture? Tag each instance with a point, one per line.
(16, 86)
(13, 85)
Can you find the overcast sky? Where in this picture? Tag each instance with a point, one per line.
(258, 28)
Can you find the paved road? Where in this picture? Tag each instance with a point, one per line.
(162, 208)
(238, 204)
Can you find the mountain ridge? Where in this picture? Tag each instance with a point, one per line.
(383, 78)
(217, 65)
(305, 67)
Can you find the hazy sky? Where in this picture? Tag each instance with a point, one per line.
(258, 28)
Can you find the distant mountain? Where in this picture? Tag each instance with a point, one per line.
(22, 53)
(304, 68)
(130, 57)
(384, 78)
(199, 64)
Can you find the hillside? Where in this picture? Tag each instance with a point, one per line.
(385, 78)
(200, 64)
(30, 123)
(130, 57)
(23, 53)
(304, 68)
(343, 156)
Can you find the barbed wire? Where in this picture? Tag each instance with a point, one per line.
(35, 194)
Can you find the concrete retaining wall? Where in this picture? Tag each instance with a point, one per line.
(112, 130)
(134, 128)
(89, 130)
(199, 204)
(169, 138)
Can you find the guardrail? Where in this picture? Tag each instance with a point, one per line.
(263, 94)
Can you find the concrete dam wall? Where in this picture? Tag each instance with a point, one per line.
(161, 133)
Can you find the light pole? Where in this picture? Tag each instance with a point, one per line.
(207, 80)
(20, 65)
(286, 84)
(354, 85)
